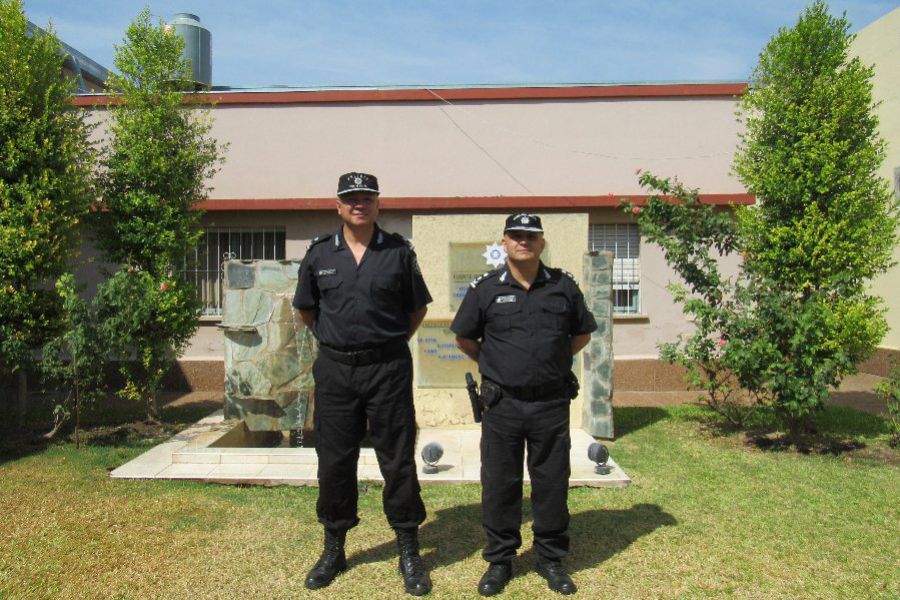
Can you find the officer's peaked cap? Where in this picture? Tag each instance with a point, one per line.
(357, 182)
(523, 222)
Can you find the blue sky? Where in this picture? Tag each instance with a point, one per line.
(309, 43)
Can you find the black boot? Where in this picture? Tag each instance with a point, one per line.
(557, 578)
(415, 576)
(495, 578)
(332, 561)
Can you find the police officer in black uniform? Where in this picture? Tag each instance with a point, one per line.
(361, 293)
(523, 323)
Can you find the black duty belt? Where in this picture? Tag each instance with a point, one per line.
(531, 393)
(366, 356)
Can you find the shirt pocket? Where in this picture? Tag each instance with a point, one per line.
(386, 288)
(503, 315)
(329, 285)
(554, 315)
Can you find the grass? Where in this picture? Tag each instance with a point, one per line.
(708, 515)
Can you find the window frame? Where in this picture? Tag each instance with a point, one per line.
(206, 270)
(621, 238)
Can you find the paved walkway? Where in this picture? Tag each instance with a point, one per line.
(198, 454)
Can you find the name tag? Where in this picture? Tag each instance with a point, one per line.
(505, 299)
(324, 272)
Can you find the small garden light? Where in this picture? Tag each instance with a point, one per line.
(599, 454)
(431, 453)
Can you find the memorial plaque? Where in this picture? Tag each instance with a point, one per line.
(469, 260)
(440, 364)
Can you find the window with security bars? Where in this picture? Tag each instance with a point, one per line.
(623, 240)
(205, 268)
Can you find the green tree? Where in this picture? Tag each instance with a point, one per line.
(800, 317)
(156, 164)
(46, 165)
(825, 222)
(72, 360)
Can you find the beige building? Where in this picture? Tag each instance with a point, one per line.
(486, 151)
(452, 161)
(879, 45)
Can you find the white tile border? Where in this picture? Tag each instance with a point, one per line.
(189, 455)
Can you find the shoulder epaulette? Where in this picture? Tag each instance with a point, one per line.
(482, 278)
(318, 240)
(400, 238)
(569, 275)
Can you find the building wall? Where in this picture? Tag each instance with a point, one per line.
(543, 148)
(487, 149)
(879, 45)
(634, 336)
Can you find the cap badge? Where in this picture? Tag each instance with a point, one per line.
(357, 180)
(524, 220)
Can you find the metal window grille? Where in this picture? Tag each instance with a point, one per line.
(624, 241)
(216, 245)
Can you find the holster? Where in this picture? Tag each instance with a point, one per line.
(490, 393)
(572, 385)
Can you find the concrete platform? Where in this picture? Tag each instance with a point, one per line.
(198, 454)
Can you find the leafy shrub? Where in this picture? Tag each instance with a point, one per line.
(889, 390)
(73, 360)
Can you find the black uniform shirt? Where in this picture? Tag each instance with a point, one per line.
(525, 334)
(360, 306)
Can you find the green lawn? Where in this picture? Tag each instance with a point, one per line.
(706, 516)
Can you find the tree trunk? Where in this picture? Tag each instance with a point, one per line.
(77, 420)
(77, 403)
(22, 406)
(799, 429)
(60, 420)
(152, 407)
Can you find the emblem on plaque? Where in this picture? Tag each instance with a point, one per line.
(494, 255)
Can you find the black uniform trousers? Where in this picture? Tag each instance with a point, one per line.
(507, 429)
(347, 396)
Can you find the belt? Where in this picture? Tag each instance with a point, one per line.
(366, 356)
(531, 393)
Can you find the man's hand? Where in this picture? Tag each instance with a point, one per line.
(579, 342)
(415, 319)
(307, 316)
(470, 348)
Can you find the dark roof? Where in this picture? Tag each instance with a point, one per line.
(83, 65)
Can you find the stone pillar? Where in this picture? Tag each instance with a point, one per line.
(596, 381)
(268, 357)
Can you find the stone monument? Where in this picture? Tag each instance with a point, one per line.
(596, 381)
(268, 356)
